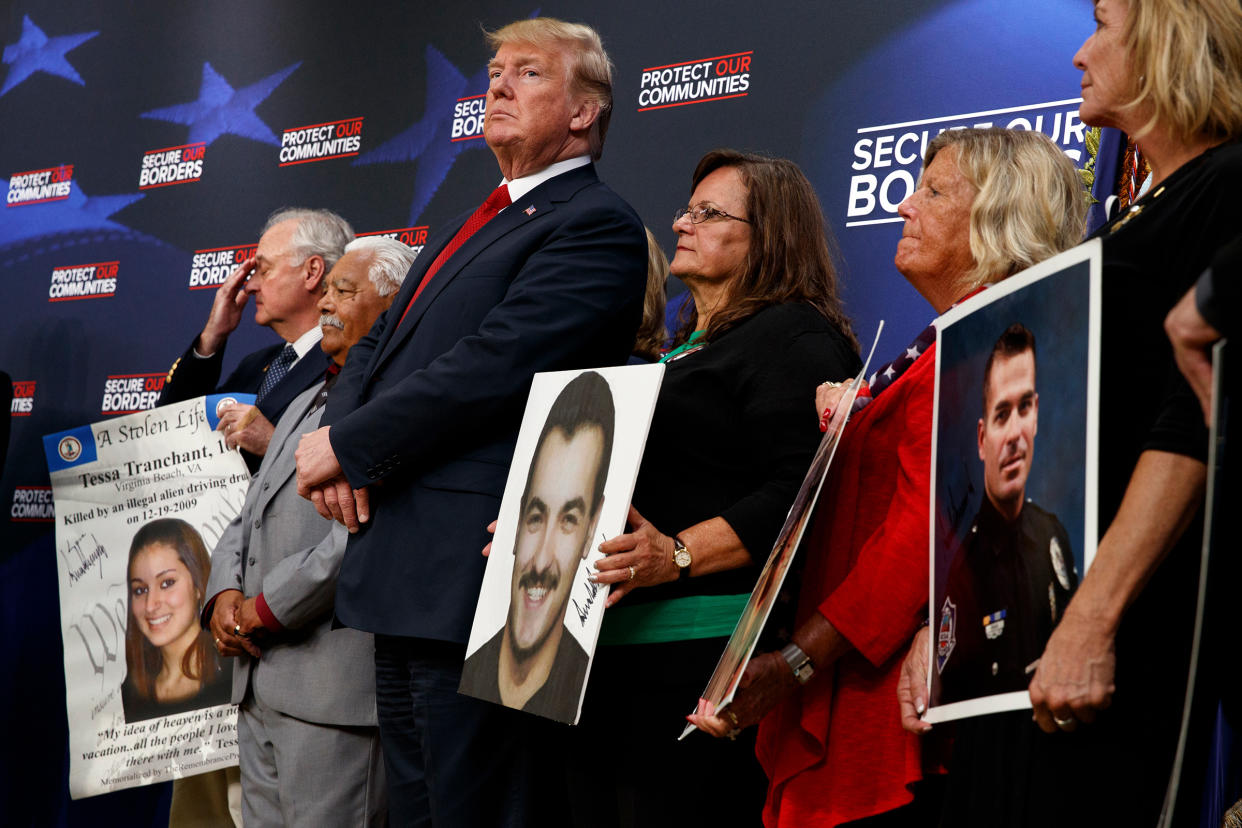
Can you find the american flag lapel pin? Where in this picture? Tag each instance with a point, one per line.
(530, 211)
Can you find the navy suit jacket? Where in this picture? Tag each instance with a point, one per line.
(192, 376)
(427, 416)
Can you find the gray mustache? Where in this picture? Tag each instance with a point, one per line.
(329, 320)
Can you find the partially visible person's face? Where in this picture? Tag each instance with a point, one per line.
(715, 249)
(554, 533)
(278, 281)
(935, 243)
(349, 305)
(1006, 434)
(163, 599)
(530, 108)
(1107, 79)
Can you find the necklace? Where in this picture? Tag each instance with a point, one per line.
(691, 345)
(1135, 209)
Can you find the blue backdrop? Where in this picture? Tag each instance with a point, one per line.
(92, 92)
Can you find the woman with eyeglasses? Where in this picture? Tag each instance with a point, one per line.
(730, 441)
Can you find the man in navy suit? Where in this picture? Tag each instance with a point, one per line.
(285, 277)
(423, 420)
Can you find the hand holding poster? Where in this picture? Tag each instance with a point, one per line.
(569, 488)
(724, 681)
(1013, 530)
(140, 502)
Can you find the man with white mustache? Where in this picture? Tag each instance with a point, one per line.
(1014, 574)
(358, 290)
(307, 738)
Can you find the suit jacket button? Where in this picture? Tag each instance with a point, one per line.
(257, 523)
(252, 561)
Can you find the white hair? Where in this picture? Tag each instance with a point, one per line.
(390, 261)
(319, 233)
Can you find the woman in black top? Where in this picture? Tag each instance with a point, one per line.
(729, 444)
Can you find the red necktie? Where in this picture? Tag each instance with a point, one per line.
(497, 201)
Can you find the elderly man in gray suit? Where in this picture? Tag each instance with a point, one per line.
(308, 744)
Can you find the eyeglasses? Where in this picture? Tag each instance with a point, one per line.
(698, 215)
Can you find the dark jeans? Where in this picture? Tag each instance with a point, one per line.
(452, 760)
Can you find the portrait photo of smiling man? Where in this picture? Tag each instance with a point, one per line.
(534, 663)
(1014, 574)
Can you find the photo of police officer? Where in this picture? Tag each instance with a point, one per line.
(1014, 573)
(534, 663)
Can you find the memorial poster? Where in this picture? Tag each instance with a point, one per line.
(140, 502)
(569, 488)
(1014, 470)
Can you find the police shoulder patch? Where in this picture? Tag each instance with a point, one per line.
(1058, 562)
(946, 636)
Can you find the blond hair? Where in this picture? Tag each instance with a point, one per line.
(1029, 205)
(1187, 58)
(590, 70)
(652, 334)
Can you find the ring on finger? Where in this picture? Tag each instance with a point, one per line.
(632, 573)
(733, 718)
(217, 643)
(831, 384)
(1065, 724)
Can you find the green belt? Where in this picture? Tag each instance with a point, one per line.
(677, 619)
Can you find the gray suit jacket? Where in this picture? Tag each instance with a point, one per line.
(280, 546)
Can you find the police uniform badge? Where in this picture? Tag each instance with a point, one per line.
(1058, 563)
(946, 638)
(994, 625)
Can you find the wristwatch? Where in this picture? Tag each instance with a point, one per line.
(681, 559)
(799, 662)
